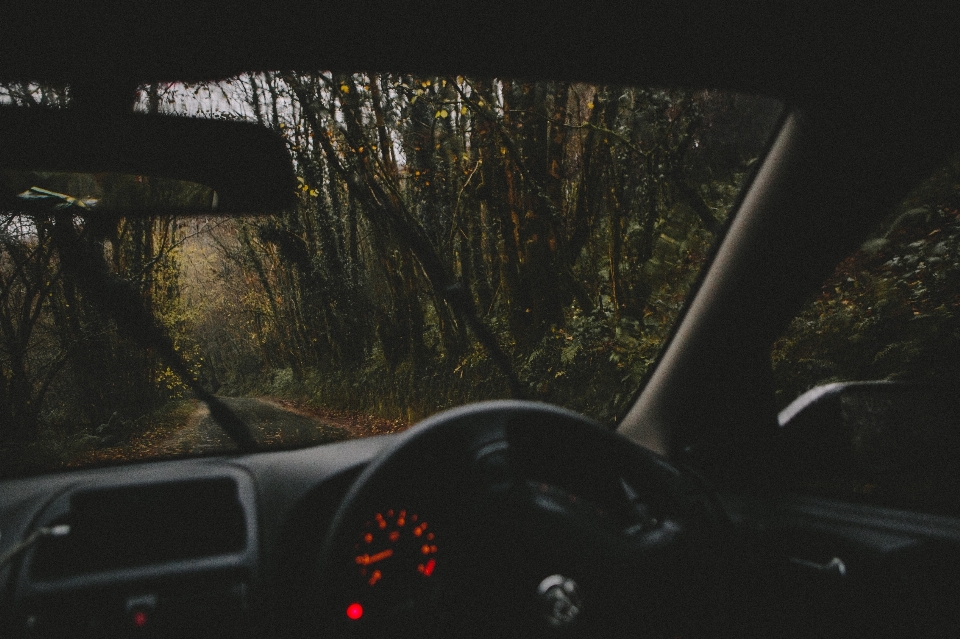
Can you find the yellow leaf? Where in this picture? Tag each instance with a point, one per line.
(459, 79)
(314, 192)
(425, 83)
(414, 99)
(444, 113)
(463, 110)
(345, 88)
(480, 102)
(589, 105)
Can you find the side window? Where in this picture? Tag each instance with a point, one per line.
(890, 311)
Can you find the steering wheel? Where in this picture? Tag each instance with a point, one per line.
(520, 519)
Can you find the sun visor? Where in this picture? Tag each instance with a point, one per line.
(141, 164)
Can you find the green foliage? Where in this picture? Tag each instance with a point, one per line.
(890, 311)
(58, 445)
(576, 216)
(453, 239)
(61, 357)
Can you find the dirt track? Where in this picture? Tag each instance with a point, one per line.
(271, 425)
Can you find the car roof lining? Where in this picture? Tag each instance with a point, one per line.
(797, 51)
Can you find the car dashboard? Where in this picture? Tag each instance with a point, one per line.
(531, 511)
(177, 548)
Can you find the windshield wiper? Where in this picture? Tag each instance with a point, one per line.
(134, 318)
(60, 530)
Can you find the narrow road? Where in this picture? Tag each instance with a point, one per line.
(271, 425)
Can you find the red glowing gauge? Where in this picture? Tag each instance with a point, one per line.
(394, 547)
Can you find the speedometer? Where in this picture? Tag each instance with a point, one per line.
(395, 547)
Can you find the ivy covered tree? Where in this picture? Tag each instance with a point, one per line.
(459, 238)
(454, 239)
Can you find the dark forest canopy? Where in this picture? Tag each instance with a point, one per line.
(454, 239)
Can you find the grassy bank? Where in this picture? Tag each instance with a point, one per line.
(116, 441)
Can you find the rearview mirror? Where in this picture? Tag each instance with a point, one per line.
(233, 167)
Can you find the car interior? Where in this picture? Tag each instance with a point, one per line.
(714, 507)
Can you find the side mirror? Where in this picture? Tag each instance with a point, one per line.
(888, 443)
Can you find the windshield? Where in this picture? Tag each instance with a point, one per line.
(455, 239)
